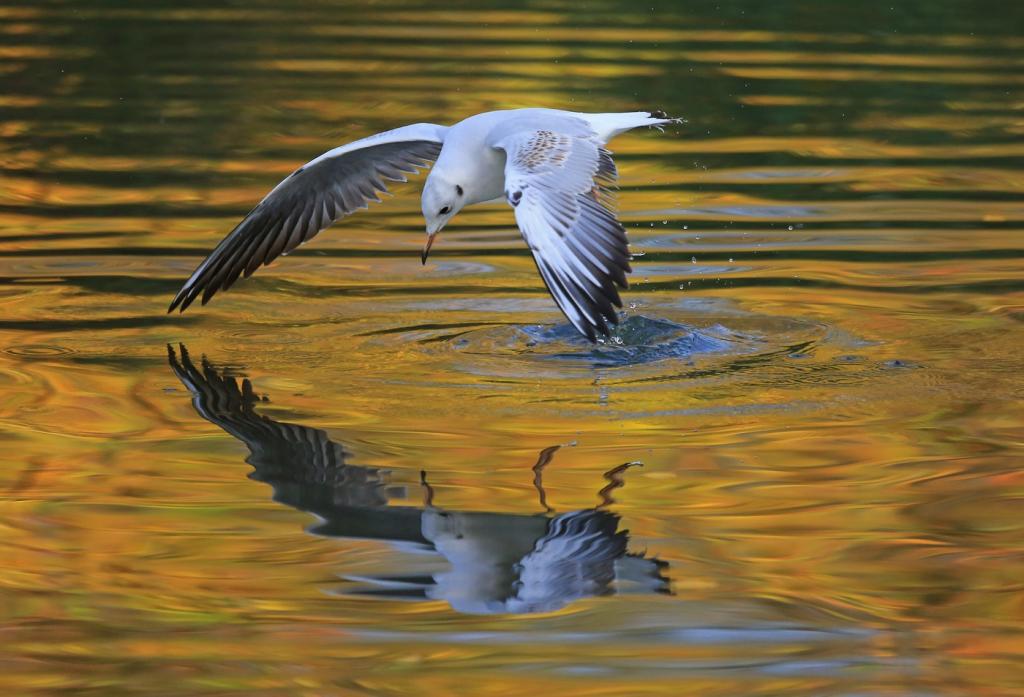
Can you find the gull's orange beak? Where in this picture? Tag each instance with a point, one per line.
(426, 247)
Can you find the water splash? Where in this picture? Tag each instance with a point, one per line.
(635, 340)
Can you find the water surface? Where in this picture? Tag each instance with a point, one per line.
(794, 470)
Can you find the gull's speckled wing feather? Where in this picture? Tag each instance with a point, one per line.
(560, 181)
(334, 185)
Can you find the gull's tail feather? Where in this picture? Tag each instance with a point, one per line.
(659, 119)
(607, 126)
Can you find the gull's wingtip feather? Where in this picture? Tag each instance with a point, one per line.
(317, 194)
(176, 304)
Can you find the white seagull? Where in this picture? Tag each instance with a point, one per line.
(550, 165)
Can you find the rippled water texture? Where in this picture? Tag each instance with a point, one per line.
(794, 470)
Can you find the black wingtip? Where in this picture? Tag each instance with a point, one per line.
(185, 298)
(179, 303)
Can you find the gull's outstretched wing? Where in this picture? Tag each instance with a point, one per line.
(336, 184)
(560, 180)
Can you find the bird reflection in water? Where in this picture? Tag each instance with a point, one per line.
(497, 562)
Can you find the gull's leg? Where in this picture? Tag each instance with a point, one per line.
(615, 481)
(538, 469)
(428, 491)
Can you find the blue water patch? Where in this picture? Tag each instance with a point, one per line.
(635, 340)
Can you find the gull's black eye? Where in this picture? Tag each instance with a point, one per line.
(444, 211)
(458, 190)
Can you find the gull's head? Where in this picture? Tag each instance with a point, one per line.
(441, 200)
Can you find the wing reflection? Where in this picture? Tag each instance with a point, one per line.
(497, 562)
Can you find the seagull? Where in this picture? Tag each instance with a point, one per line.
(550, 165)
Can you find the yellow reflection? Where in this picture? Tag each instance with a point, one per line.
(832, 476)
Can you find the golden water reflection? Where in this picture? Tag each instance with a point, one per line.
(819, 369)
(497, 562)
